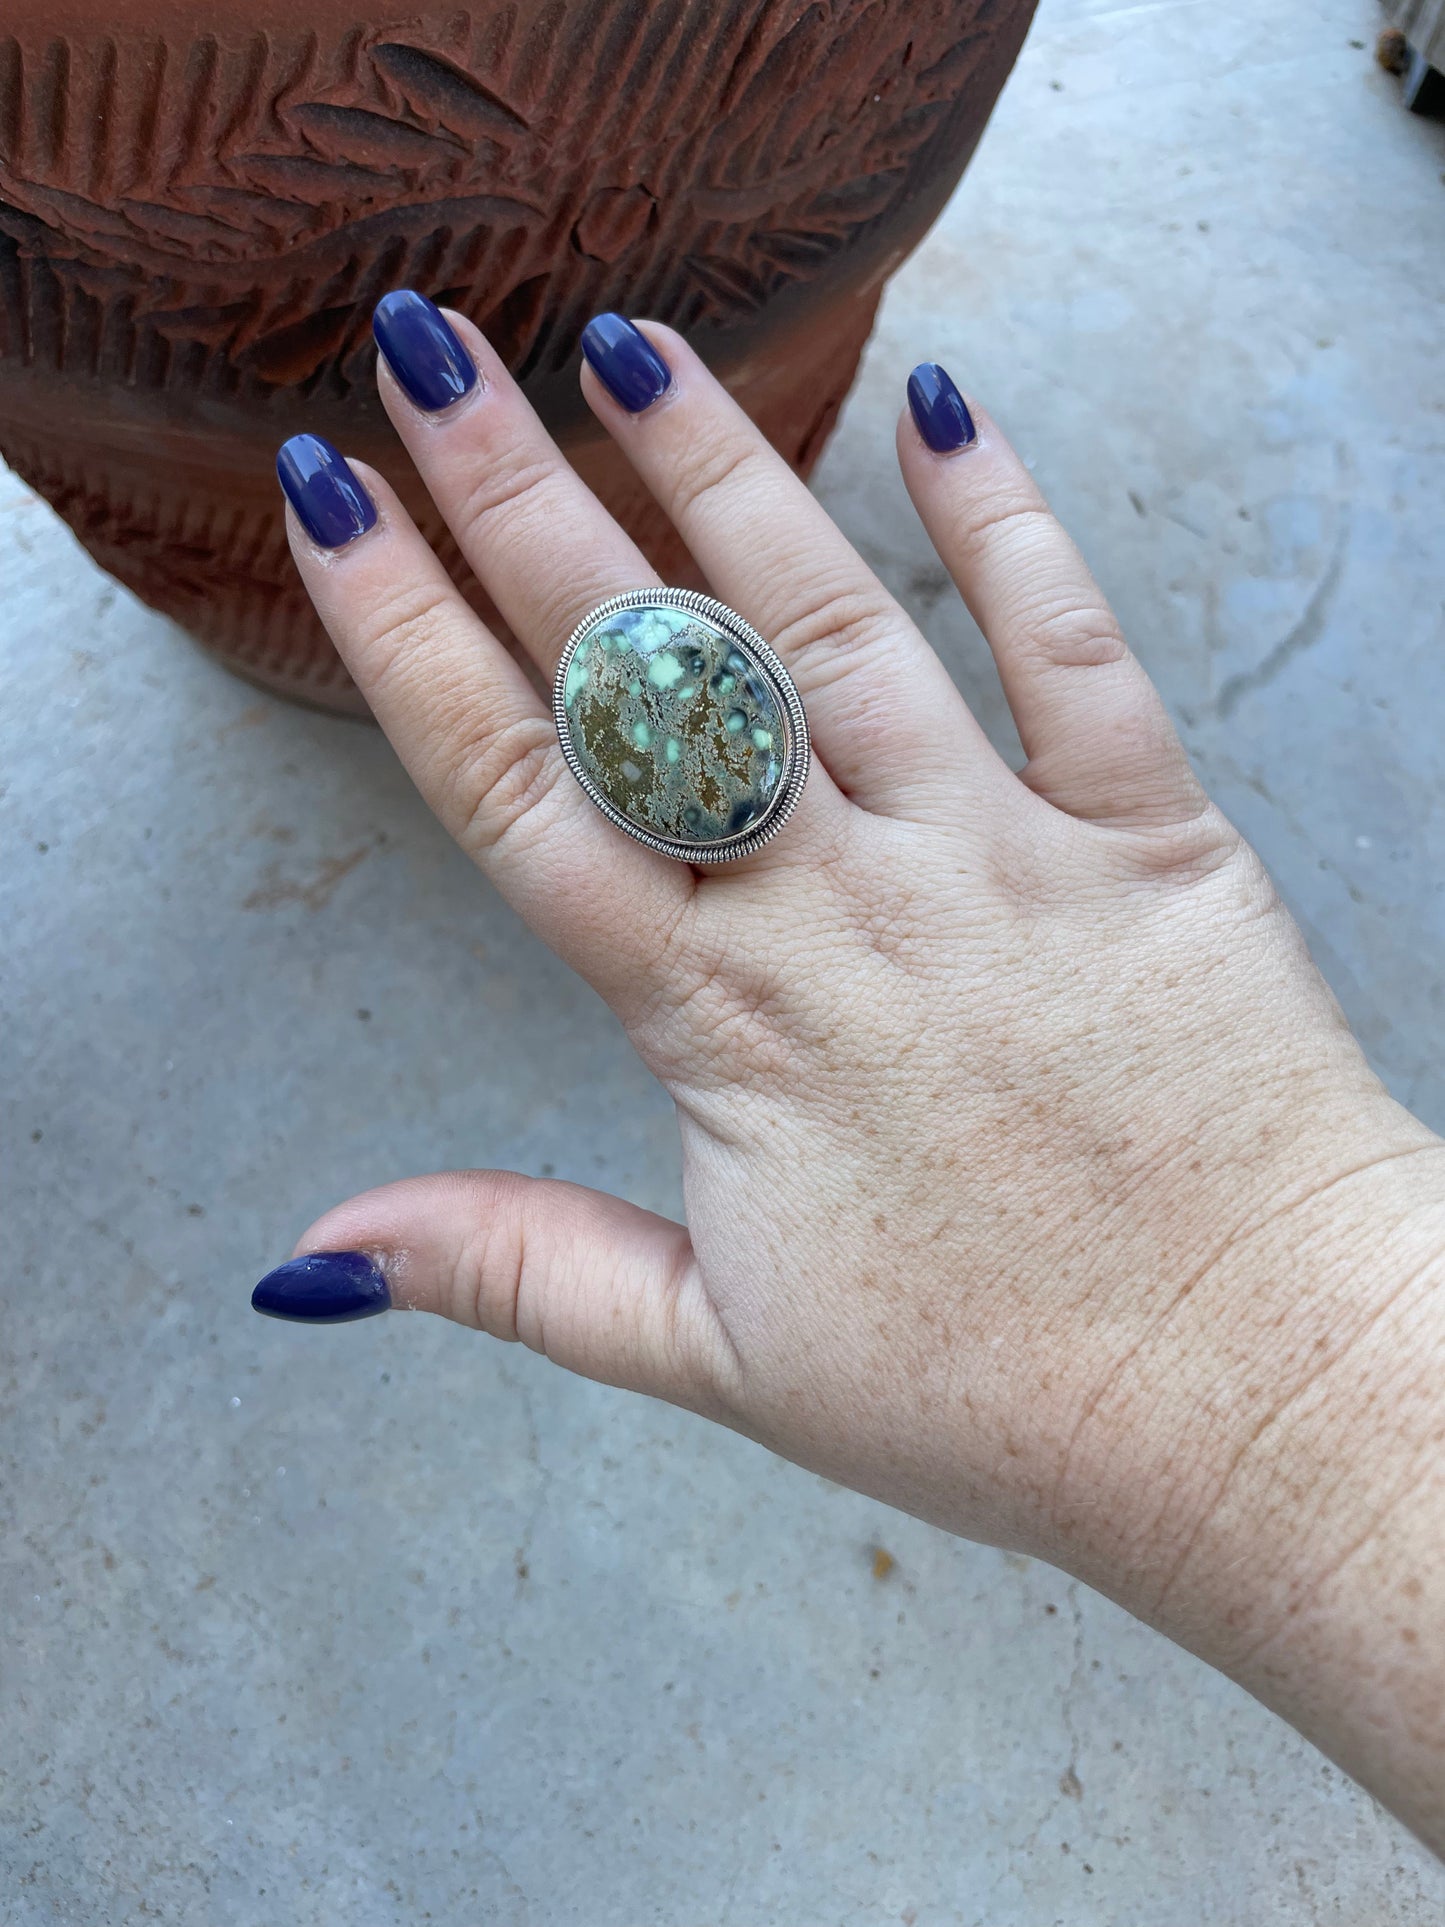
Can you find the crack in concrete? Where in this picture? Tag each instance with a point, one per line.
(1304, 635)
(1069, 1787)
(523, 1555)
(498, 1860)
(1069, 1783)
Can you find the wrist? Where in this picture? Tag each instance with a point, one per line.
(1278, 1461)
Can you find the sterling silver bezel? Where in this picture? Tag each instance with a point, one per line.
(797, 751)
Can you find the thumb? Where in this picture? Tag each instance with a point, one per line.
(599, 1286)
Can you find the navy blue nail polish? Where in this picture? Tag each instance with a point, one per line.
(331, 504)
(939, 411)
(422, 350)
(328, 1288)
(629, 367)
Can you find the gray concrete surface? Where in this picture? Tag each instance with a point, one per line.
(391, 1625)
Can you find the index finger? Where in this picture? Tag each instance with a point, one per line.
(475, 736)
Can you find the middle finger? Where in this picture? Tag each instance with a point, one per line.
(884, 712)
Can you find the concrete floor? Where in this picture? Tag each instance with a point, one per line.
(391, 1625)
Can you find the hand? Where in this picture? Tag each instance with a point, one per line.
(1034, 1182)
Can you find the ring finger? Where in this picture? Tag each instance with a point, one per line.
(885, 715)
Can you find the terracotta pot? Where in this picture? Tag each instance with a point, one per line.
(198, 211)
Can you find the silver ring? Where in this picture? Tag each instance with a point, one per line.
(681, 724)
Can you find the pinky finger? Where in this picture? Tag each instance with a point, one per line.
(1098, 740)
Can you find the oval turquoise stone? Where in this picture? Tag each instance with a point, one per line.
(676, 724)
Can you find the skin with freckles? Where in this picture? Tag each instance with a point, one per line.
(1034, 1182)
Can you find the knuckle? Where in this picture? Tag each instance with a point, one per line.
(1200, 844)
(708, 473)
(718, 1025)
(838, 626)
(1078, 636)
(465, 1293)
(399, 625)
(485, 1280)
(731, 1029)
(517, 486)
(1008, 518)
(503, 782)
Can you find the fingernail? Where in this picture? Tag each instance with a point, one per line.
(328, 1288)
(422, 350)
(332, 505)
(940, 412)
(625, 361)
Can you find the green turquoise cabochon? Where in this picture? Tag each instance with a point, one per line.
(681, 724)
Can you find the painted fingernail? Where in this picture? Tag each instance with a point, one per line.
(625, 361)
(940, 412)
(328, 1288)
(332, 505)
(422, 350)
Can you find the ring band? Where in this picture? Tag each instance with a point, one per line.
(681, 724)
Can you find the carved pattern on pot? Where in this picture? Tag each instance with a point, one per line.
(249, 196)
(194, 226)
